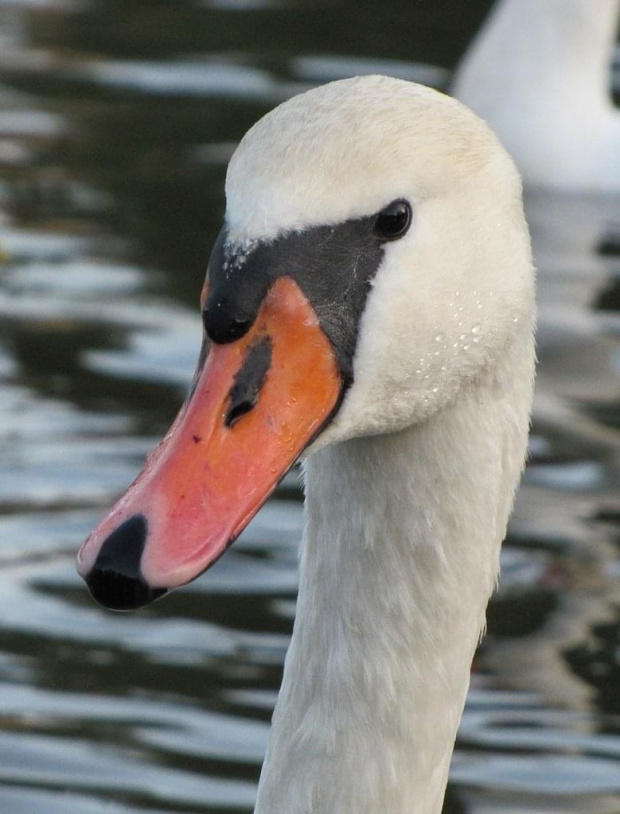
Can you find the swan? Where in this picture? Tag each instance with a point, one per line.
(539, 73)
(369, 303)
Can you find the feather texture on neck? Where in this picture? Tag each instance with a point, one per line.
(400, 556)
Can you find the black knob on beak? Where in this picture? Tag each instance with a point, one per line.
(222, 324)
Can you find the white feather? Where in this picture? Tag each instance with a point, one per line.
(539, 73)
(409, 489)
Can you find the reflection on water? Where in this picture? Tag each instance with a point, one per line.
(117, 122)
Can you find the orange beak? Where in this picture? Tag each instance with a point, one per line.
(256, 404)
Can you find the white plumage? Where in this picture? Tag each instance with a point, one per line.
(408, 491)
(539, 73)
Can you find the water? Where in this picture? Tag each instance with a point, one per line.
(117, 121)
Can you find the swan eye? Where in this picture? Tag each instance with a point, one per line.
(393, 221)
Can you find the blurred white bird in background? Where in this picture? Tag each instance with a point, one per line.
(539, 73)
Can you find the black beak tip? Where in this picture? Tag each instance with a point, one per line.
(115, 580)
(120, 593)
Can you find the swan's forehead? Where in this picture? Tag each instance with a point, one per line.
(347, 149)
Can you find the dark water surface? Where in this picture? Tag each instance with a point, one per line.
(117, 120)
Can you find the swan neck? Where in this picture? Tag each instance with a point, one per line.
(399, 557)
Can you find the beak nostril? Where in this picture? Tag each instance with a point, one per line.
(249, 380)
(238, 410)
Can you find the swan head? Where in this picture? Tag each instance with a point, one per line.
(374, 261)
